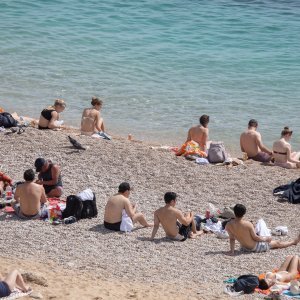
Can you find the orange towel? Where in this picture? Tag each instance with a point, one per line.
(191, 148)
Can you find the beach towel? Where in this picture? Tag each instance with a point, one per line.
(126, 224)
(191, 148)
(261, 228)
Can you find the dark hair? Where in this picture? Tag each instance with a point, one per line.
(286, 131)
(204, 120)
(239, 210)
(29, 175)
(96, 101)
(123, 187)
(263, 284)
(252, 123)
(169, 196)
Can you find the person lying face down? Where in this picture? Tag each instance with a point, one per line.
(286, 273)
(49, 176)
(50, 115)
(243, 231)
(115, 206)
(177, 225)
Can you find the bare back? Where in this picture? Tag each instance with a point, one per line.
(243, 232)
(281, 150)
(198, 134)
(249, 141)
(168, 216)
(30, 196)
(114, 208)
(90, 117)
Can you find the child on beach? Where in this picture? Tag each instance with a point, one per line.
(50, 115)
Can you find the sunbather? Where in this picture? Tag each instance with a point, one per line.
(176, 225)
(243, 231)
(92, 123)
(115, 206)
(283, 155)
(286, 273)
(49, 176)
(29, 197)
(11, 281)
(50, 115)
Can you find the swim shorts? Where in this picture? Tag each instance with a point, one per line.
(113, 226)
(262, 157)
(184, 230)
(21, 215)
(4, 289)
(260, 247)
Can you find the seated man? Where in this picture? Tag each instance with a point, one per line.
(243, 231)
(251, 143)
(29, 197)
(176, 225)
(49, 176)
(114, 208)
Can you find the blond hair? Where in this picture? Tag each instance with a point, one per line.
(58, 102)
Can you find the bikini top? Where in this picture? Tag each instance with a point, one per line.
(47, 113)
(278, 276)
(282, 153)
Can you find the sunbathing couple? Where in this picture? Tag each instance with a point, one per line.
(30, 196)
(251, 143)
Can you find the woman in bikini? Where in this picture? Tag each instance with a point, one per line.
(286, 273)
(91, 122)
(282, 151)
(51, 114)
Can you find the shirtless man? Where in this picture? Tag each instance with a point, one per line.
(176, 225)
(49, 177)
(243, 231)
(251, 143)
(91, 122)
(29, 197)
(114, 208)
(199, 133)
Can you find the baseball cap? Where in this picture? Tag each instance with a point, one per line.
(39, 162)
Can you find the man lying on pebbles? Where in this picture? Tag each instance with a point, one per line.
(178, 226)
(243, 231)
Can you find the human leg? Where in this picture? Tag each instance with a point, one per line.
(293, 267)
(55, 192)
(194, 233)
(285, 265)
(139, 217)
(295, 155)
(283, 244)
(15, 279)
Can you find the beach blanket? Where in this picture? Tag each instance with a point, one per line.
(291, 191)
(15, 294)
(191, 148)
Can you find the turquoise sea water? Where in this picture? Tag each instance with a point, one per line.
(158, 65)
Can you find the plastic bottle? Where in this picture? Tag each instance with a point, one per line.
(8, 193)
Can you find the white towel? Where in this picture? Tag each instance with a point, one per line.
(126, 224)
(261, 228)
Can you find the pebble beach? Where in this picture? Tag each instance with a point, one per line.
(163, 269)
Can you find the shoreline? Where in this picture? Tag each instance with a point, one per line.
(192, 266)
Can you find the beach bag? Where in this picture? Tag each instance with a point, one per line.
(7, 120)
(74, 207)
(217, 153)
(246, 283)
(126, 224)
(89, 208)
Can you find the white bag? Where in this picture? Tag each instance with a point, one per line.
(86, 194)
(126, 224)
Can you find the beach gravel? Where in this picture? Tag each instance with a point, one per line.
(198, 266)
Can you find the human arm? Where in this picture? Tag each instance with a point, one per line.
(289, 155)
(184, 219)
(155, 227)
(204, 139)
(256, 237)
(231, 239)
(43, 196)
(188, 136)
(54, 117)
(130, 210)
(241, 144)
(261, 146)
(97, 122)
(17, 195)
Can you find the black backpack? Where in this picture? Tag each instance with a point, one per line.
(89, 209)
(7, 120)
(246, 283)
(73, 208)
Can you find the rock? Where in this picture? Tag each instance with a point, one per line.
(36, 295)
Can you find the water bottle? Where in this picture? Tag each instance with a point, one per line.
(8, 193)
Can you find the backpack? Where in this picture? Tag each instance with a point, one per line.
(89, 208)
(246, 283)
(217, 153)
(7, 120)
(73, 208)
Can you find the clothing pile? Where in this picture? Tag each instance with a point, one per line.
(290, 192)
